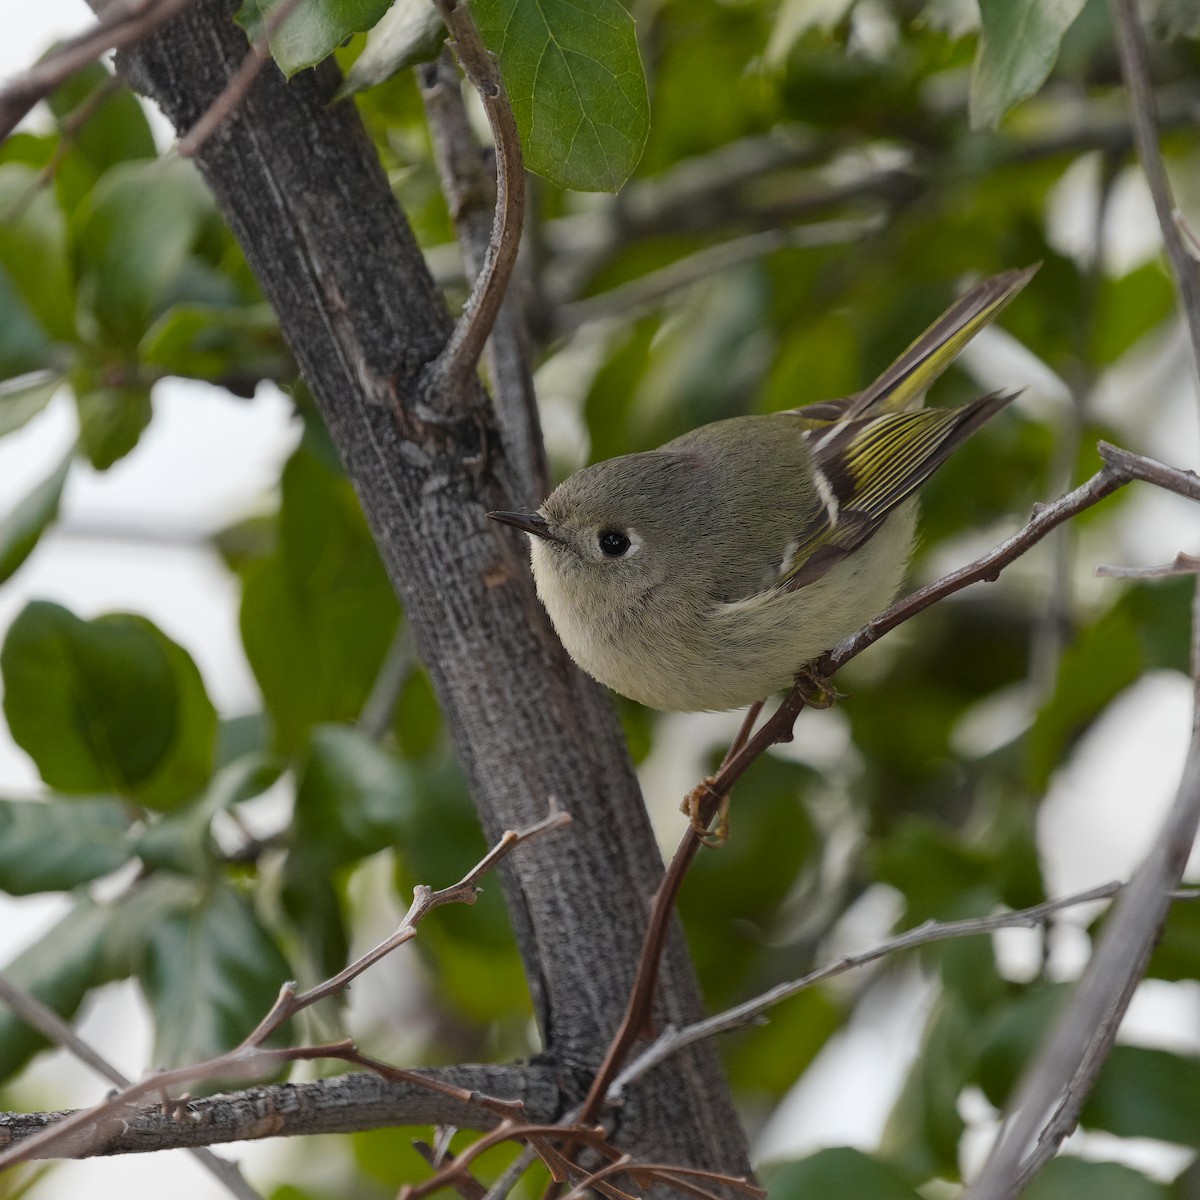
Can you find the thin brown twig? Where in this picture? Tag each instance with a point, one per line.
(1143, 113)
(47, 1022)
(449, 373)
(1120, 468)
(122, 26)
(250, 1058)
(470, 192)
(239, 83)
(465, 1184)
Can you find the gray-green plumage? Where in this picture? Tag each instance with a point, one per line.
(705, 574)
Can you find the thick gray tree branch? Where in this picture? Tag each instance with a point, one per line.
(303, 191)
(344, 1104)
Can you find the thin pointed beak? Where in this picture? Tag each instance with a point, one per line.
(533, 523)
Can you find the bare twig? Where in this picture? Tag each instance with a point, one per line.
(1183, 564)
(1048, 1102)
(1143, 111)
(466, 1185)
(250, 1058)
(47, 1022)
(239, 84)
(1120, 467)
(448, 374)
(673, 1040)
(122, 25)
(470, 192)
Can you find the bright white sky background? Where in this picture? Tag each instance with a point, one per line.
(208, 459)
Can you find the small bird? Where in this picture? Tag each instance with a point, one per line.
(706, 574)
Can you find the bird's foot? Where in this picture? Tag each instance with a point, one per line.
(697, 807)
(816, 687)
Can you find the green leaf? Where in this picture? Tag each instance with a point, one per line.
(1177, 955)
(411, 31)
(33, 251)
(111, 420)
(1017, 51)
(319, 614)
(211, 974)
(1077, 1179)
(135, 232)
(57, 844)
(116, 129)
(23, 398)
(21, 529)
(837, 1174)
(1142, 1092)
(58, 969)
(575, 80)
(1102, 661)
(352, 798)
(924, 1127)
(110, 705)
(312, 31)
(181, 841)
(216, 342)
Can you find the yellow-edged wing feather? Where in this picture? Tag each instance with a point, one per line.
(873, 450)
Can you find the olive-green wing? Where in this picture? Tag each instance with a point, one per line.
(867, 467)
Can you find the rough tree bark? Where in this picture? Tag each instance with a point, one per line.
(301, 186)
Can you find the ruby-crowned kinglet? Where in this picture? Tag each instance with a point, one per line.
(705, 574)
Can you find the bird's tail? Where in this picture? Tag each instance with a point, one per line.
(904, 384)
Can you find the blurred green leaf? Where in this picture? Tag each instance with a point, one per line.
(1177, 955)
(111, 420)
(837, 1174)
(1011, 1035)
(318, 614)
(134, 233)
(575, 80)
(352, 800)
(1141, 1092)
(58, 969)
(182, 841)
(211, 974)
(310, 33)
(730, 900)
(1128, 308)
(767, 1059)
(107, 705)
(1103, 660)
(1067, 1178)
(1017, 51)
(210, 341)
(56, 844)
(25, 524)
(923, 1130)
(23, 398)
(34, 256)
(116, 129)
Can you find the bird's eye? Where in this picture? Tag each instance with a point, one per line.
(613, 543)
